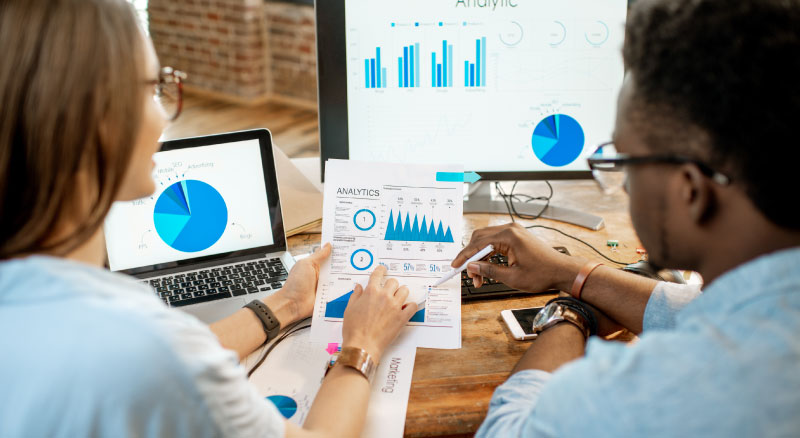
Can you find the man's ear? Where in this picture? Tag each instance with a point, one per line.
(697, 194)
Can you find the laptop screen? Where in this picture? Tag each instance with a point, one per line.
(209, 200)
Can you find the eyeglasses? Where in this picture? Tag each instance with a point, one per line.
(610, 168)
(169, 91)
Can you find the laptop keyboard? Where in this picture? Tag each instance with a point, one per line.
(220, 282)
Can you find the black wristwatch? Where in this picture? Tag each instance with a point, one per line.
(268, 320)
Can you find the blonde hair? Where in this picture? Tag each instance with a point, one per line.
(71, 85)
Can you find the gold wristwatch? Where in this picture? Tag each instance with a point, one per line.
(356, 358)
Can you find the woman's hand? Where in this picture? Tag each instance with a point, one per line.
(532, 265)
(301, 286)
(375, 315)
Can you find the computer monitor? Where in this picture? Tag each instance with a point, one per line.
(511, 89)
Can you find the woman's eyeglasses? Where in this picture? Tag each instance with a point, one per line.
(169, 91)
(610, 168)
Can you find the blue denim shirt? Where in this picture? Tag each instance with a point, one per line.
(722, 363)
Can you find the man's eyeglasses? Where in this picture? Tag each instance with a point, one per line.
(610, 168)
(169, 91)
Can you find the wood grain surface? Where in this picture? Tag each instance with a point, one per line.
(451, 389)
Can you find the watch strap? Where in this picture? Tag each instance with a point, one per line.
(268, 320)
(358, 359)
(581, 310)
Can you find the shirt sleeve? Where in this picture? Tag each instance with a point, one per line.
(512, 403)
(665, 302)
(234, 404)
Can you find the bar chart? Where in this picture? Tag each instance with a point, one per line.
(475, 73)
(374, 72)
(442, 72)
(408, 67)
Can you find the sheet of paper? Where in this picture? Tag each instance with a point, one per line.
(292, 375)
(401, 217)
(388, 400)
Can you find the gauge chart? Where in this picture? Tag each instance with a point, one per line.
(558, 140)
(190, 216)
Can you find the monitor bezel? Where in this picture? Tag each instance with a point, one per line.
(332, 99)
(264, 138)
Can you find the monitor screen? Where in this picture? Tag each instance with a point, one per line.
(505, 87)
(209, 200)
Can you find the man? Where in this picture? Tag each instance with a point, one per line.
(706, 133)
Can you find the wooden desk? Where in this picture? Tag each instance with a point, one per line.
(451, 389)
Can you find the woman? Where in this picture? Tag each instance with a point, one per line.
(88, 352)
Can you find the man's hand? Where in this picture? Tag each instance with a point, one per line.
(301, 286)
(532, 265)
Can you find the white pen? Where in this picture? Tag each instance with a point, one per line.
(481, 254)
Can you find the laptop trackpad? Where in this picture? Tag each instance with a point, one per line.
(215, 310)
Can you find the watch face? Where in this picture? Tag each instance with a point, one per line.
(544, 316)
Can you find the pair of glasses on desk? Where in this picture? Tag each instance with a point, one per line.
(610, 168)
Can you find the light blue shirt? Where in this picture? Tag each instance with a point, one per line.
(85, 352)
(722, 363)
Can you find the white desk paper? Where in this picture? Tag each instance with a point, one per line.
(292, 375)
(401, 217)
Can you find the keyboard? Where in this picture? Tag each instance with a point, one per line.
(493, 288)
(220, 282)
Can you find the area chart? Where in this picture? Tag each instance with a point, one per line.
(424, 230)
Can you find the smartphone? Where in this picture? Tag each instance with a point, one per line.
(520, 322)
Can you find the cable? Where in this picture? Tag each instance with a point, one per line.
(579, 240)
(512, 212)
(289, 331)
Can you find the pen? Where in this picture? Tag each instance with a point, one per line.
(481, 254)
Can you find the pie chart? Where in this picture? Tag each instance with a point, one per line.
(190, 216)
(286, 405)
(558, 140)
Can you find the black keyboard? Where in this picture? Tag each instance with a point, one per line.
(492, 288)
(212, 284)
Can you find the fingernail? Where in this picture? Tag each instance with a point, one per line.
(474, 268)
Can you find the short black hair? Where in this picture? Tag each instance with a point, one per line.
(731, 69)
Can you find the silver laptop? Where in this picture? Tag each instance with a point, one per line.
(210, 239)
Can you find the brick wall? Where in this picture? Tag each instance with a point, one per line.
(293, 61)
(248, 50)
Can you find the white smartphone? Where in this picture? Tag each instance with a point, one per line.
(520, 322)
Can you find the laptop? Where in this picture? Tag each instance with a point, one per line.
(211, 238)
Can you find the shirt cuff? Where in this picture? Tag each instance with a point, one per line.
(512, 403)
(665, 302)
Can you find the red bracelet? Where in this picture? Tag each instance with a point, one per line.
(580, 280)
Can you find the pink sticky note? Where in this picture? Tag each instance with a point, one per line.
(332, 348)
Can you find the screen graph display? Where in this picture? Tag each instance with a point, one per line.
(506, 86)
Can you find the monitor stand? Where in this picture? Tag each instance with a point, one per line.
(482, 198)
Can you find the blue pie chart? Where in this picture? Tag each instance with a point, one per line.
(190, 216)
(286, 405)
(558, 140)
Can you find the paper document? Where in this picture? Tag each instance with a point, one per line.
(292, 375)
(401, 217)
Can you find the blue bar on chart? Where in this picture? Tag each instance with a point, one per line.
(442, 73)
(408, 67)
(475, 74)
(374, 72)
